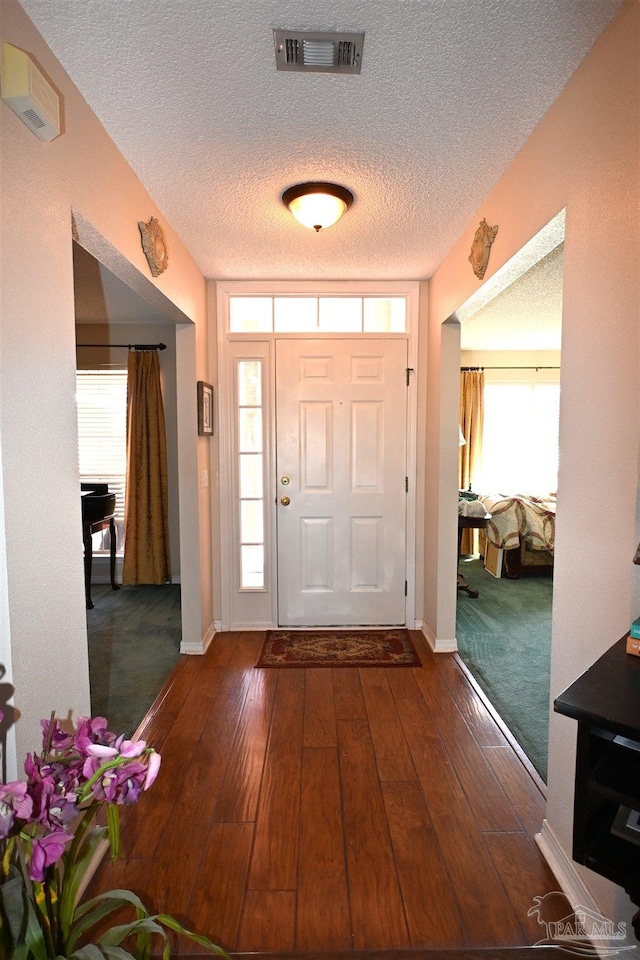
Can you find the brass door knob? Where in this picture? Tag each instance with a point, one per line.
(285, 501)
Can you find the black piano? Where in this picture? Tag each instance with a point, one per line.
(98, 510)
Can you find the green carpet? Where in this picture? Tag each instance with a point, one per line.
(134, 644)
(504, 637)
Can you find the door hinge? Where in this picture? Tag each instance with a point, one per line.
(406, 484)
(405, 588)
(409, 372)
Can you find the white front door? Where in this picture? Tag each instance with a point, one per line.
(341, 482)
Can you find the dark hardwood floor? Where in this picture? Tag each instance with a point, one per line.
(333, 810)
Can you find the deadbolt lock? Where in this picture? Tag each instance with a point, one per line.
(285, 501)
(285, 481)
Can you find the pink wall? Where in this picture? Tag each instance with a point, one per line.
(584, 156)
(80, 171)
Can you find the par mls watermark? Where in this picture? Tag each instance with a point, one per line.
(582, 931)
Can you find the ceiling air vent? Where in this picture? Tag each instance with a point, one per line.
(310, 52)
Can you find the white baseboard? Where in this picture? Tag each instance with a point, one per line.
(582, 901)
(208, 637)
(195, 648)
(439, 646)
(429, 637)
(564, 869)
(248, 626)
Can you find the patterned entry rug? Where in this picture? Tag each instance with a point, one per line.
(338, 648)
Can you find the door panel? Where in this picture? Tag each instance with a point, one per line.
(341, 442)
(367, 450)
(316, 446)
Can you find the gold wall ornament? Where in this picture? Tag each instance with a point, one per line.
(479, 256)
(154, 246)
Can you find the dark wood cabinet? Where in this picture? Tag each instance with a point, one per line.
(606, 703)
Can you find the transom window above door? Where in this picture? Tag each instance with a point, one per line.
(350, 314)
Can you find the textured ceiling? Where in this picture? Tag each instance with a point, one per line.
(525, 316)
(449, 92)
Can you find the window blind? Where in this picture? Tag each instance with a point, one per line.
(101, 397)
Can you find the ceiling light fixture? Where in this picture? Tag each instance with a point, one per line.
(317, 205)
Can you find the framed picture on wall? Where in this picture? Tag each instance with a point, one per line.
(205, 409)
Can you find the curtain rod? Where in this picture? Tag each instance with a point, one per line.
(129, 346)
(470, 369)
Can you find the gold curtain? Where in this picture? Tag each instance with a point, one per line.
(471, 424)
(146, 543)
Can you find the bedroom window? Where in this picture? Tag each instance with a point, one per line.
(101, 397)
(520, 439)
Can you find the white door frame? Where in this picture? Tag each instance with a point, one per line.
(257, 610)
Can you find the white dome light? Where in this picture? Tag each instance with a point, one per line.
(317, 205)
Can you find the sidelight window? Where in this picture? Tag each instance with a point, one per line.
(249, 391)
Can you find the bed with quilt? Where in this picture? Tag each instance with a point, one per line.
(524, 527)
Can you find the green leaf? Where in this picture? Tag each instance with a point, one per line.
(143, 941)
(89, 952)
(34, 936)
(113, 820)
(88, 919)
(143, 945)
(125, 895)
(144, 927)
(6, 860)
(118, 953)
(117, 934)
(77, 863)
(172, 923)
(13, 906)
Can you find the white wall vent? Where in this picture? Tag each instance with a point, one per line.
(28, 93)
(311, 52)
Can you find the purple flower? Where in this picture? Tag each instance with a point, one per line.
(130, 748)
(14, 802)
(129, 783)
(91, 765)
(100, 751)
(92, 731)
(121, 784)
(61, 808)
(120, 778)
(45, 851)
(55, 737)
(121, 748)
(32, 766)
(53, 789)
(153, 766)
(44, 807)
(42, 790)
(69, 778)
(56, 788)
